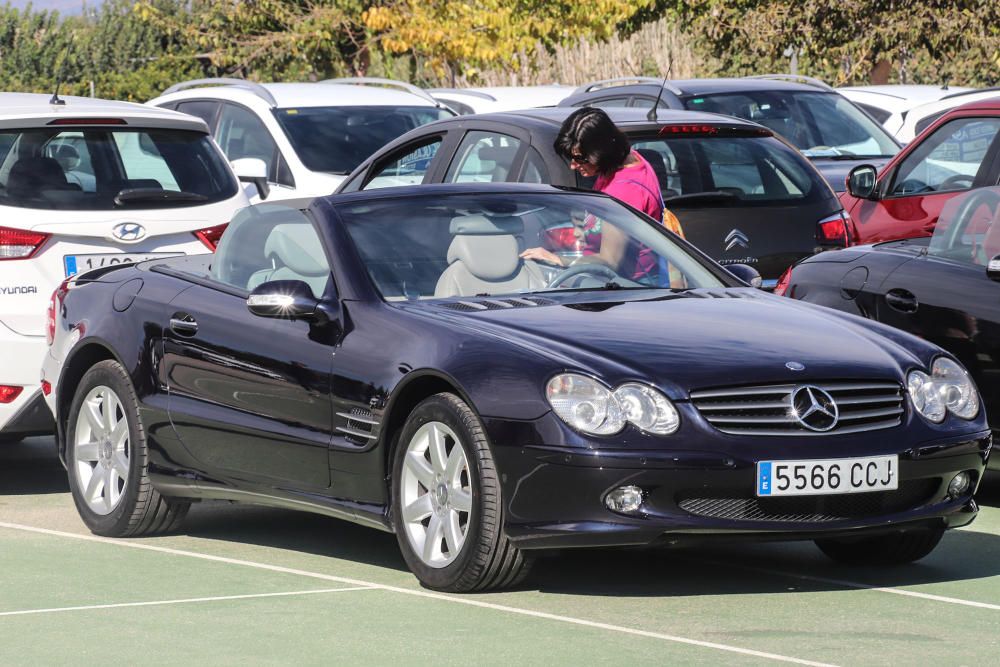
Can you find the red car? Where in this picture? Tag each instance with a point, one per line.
(958, 152)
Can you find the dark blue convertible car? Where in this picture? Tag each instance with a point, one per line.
(389, 358)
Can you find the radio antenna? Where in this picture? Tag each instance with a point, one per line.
(651, 114)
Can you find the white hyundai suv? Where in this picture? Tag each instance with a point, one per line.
(302, 139)
(86, 183)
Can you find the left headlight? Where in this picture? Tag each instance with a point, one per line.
(590, 407)
(947, 389)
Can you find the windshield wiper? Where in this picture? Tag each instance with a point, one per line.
(708, 196)
(136, 195)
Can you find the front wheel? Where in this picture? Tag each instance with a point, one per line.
(108, 459)
(446, 504)
(893, 549)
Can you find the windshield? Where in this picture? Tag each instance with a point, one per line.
(338, 139)
(818, 124)
(98, 169)
(719, 170)
(458, 245)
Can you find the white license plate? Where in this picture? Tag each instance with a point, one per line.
(812, 478)
(82, 263)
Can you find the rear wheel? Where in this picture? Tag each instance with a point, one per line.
(892, 549)
(108, 459)
(447, 510)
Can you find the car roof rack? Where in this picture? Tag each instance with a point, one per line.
(254, 87)
(795, 78)
(624, 81)
(970, 92)
(389, 83)
(463, 91)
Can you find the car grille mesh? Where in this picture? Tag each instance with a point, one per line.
(475, 306)
(767, 409)
(810, 509)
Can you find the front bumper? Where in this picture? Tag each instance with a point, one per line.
(554, 494)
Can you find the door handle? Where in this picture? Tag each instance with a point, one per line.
(902, 300)
(183, 324)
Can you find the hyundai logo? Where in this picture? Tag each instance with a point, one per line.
(128, 231)
(814, 408)
(736, 238)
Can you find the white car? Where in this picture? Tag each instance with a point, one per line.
(302, 139)
(84, 184)
(921, 117)
(500, 98)
(892, 104)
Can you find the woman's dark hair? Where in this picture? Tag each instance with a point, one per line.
(590, 132)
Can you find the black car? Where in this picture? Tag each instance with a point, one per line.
(828, 128)
(945, 288)
(742, 195)
(388, 358)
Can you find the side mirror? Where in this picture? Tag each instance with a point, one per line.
(993, 268)
(286, 300)
(746, 273)
(252, 170)
(861, 181)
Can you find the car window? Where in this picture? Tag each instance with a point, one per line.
(483, 157)
(406, 167)
(271, 242)
(948, 159)
(881, 115)
(241, 134)
(202, 109)
(968, 229)
(752, 171)
(105, 169)
(927, 120)
(605, 103)
(534, 170)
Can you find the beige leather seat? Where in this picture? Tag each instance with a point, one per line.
(296, 253)
(483, 258)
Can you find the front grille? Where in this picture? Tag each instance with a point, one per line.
(809, 509)
(470, 306)
(767, 409)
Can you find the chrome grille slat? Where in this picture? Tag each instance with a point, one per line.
(766, 410)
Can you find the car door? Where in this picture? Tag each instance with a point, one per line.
(250, 396)
(956, 157)
(241, 134)
(946, 297)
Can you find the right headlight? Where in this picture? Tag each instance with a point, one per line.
(947, 389)
(590, 407)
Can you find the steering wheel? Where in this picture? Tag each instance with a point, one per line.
(965, 212)
(956, 179)
(602, 271)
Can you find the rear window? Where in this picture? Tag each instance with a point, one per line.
(96, 169)
(741, 170)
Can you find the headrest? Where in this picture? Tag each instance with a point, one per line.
(296, 246)
(29, 175)
(489, 257)
(480, 225)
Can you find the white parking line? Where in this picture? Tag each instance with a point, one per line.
(854, 584)
(421, 593)
(153, 603)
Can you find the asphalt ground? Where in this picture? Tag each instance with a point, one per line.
(247, 585)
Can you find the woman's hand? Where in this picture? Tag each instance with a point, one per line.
(542, 255)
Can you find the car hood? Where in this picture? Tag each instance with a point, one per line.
(693, 340)
(835, 171)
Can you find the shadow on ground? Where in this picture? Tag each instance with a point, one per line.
(31, 467)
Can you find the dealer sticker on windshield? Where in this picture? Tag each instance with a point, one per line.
(829, 476)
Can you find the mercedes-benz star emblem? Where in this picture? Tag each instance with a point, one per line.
(128, 231)
(814, 408)
(737, 238)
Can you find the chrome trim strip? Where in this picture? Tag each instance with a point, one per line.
(355, 432)
(358, 418)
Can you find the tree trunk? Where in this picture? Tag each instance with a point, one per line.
(880, 72)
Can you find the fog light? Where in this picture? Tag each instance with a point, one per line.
(625, 499)
(959, 484)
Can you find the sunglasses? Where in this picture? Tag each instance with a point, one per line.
(579, 158)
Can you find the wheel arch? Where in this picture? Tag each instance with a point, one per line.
(79, 361)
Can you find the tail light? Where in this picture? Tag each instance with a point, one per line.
(19, 243)
(210, 235)
(782, 285)
(9, 392)
(834, 230)
(55, 303)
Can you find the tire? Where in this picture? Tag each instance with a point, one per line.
(107, 459)
(465, 502)
(892, 549)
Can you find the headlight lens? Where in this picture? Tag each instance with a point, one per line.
(589, 406)
(647, 408)
(947, 389)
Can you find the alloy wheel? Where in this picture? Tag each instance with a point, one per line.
(101, 450)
